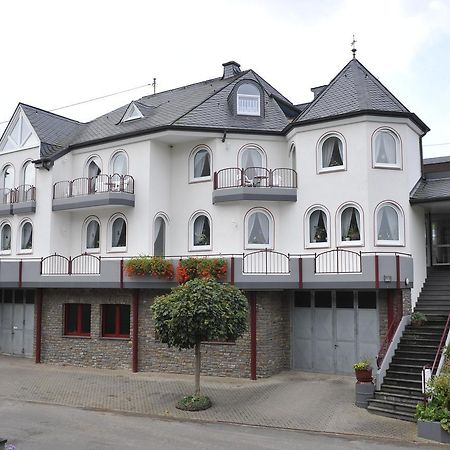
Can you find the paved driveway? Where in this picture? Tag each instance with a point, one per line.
(296, 400)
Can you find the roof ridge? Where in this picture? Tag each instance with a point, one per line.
(281, 96)
(49, 112)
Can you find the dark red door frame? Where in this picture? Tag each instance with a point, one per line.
(38, 336)
(252, 336)
(135, 335)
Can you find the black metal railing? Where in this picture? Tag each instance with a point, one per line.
(84, 264)
(92, 185)
(22, 193)
(338, 261)
(265, 262)
(232, 177)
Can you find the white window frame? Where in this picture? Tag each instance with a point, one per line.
(113, 157)
(401, 226)
(293, 157)
(398, 150)
(4, 169)
(345, 243)
(97, 160)
(267, 213)
(21, 250)
(250, 97)
(111, 221)
(165, 218)
(2, 225)
(343, 167)
(199, 248)
(194, 151)
(306, 227)
(27, 163)
(84, 235)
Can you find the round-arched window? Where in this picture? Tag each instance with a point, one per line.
(118, 233)
(259, 229)
(92, 235)
(248, 100)
(26, 236)
(201, 231)
(5, 238)
(119, 164)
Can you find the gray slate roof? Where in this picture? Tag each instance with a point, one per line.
(428, 190)
(354, 89)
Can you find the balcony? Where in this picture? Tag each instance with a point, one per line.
(255, 183)
(21, 200)
(101, 190)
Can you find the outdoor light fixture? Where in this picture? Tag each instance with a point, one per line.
(406, 281)
(44, 163)
(387, 278)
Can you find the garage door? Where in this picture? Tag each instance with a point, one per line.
(333, 329)
(16, 322)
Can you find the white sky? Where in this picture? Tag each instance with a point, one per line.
(55, 53)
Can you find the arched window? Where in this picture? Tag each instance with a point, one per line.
(200, 164)
(28, 174)
(293, 157)
(119, 164)
(159, 237)
(93, 170)
(248, 100)
(386, 149)
(92, 234)
(26, 236)
(5, 238)
(389, 226)
(118, 230)
(252, 156)
(317, 223)
(8, 177)
(200, 232)
(258, 229)
(331, 154)
(350, 226)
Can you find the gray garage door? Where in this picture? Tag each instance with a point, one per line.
(16, 322)
(333, 329)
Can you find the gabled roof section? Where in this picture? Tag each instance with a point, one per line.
(353, 90)
(133, 112)
(19, 133)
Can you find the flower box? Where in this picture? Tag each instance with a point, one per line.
(432, 431)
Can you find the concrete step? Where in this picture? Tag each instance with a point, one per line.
(415, 355)
(411, 368)
(403, 382)
(418, 340)
(402, 390)
(389, 413)
(394, 406)
(398, 398)
(404, 375)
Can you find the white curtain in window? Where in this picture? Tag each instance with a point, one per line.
(385, 148)
(120, 164)
(6, 237)
(251, 157)
(248, 99)
(258, 229)
(388, 226)
(28, 174)
(346, 218)
(331, 152)
(160, 233)
(119, 233)
(8, 177)
(93, 234)
(27, 236)
(202, 164)
(201, 231)
(318, 227)
(350, 231)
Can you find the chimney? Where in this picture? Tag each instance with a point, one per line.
(318, 90)
(230, 69)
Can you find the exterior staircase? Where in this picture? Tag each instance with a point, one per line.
(402, 386)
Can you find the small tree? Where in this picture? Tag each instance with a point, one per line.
(200, 310)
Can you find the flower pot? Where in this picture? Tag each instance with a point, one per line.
(364, 375)
(432, 430)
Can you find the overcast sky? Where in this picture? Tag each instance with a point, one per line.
(57, 53)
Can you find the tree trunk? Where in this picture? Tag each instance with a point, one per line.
(197, 368)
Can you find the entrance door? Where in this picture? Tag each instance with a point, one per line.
(440, 239)
(333, 329)
(16, 322)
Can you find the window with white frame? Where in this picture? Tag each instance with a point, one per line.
(200, 162)
(5, 238)
(259, 229)
(118, 231)
(389, 225)
(159, 237)
(119, 164)
(350, 226)
(93, 171)
(28, 174)
(200, 232)
(248, 100)
(26, 237)
(92, 235)
(293, 157)
(8, 177)
(317, 225)
(386, 150)
(331, 154)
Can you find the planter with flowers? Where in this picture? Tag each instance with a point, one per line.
(154, 266)
(191, 268)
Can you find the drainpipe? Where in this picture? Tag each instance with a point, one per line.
(38, 326)
(135, 335)
(252, 336)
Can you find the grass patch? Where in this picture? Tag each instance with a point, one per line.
(194, 403)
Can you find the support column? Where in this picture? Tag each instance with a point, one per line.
(252, 336)
(135, 335)
(38, 332)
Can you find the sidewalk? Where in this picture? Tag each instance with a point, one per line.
(297, 400)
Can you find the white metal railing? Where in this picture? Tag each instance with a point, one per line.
(338, 261)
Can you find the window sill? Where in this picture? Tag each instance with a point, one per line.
(117, 250)
(76, 336)
(91, 251)
(5, 252)
(332, 169)
(202, 248)
(217, 343)
(389, 244)
(259, 247)
(25, 252)
(387, 166)
(351, 244)
(317, 245)
(115, 338)
(200, 180)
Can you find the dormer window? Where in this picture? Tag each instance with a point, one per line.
(132, 113)
(248, 100)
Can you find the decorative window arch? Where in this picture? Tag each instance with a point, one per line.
(200, 163)
(117, 231)
(200, 231)
(28, 173)
(91, 235)
(293, 157)
(7, 177)
(259, 229)
(317, 227)
(93, 166)
(331, 153)
(5, 238)
(386, 149)
(389, 225)
(26, 236)
(350, 225)
(160, 234)
(119, 163)
(248, 99)
(252, 155)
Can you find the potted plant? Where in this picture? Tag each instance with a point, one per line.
(149, 265)
(353, 234)
(417, 319)
(363, 371)
(320, 234)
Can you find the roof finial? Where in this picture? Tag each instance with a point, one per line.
(353, 46)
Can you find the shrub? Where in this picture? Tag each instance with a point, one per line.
(191, 268)
(418, 318)
(149, 265)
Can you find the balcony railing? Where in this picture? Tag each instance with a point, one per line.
(92, 185)
(84, 264)
(338, 261)
(20, 194)
(265, 262)
(260, 177)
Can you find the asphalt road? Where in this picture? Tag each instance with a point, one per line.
(32, 426)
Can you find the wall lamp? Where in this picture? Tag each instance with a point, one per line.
(387, 278)
(44, 163)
